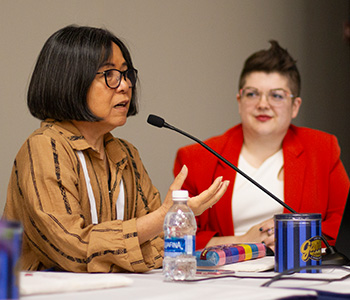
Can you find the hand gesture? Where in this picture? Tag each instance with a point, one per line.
(204, 200)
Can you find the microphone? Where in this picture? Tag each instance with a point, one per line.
(332, 257)
(160, 122)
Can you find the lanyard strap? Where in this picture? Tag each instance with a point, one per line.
(93, 209)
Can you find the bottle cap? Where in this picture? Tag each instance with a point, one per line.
(180, 195)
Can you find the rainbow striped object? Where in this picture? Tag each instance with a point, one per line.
(228, 254)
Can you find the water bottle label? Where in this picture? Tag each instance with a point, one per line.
(174, 246)
(190, 244)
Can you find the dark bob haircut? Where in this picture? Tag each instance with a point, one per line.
(65, 69)
(275, 59)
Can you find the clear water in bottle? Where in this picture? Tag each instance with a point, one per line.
(179, 240)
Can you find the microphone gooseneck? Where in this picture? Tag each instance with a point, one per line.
(332, 257)
(159, 122)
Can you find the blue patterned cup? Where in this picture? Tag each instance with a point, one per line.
(10, 252)
(297, 241)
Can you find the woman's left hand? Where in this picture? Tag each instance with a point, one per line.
(204, 200)
(209, 197)
(267, 230)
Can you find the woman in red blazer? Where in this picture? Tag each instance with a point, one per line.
(314, 178)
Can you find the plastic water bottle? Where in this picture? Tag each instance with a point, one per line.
(179, 240)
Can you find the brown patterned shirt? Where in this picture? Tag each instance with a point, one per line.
(48, 194)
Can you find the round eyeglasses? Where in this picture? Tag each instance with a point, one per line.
(274, 96)
(113, 77)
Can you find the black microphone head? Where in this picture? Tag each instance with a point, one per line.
(155, 121)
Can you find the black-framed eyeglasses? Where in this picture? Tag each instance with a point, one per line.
(113, 77)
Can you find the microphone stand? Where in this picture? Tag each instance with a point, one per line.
(166, 125)
(332, 256)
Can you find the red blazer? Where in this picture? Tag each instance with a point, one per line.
(315, 180)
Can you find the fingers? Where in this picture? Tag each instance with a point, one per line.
(270, 231)
(269, 241)
(268, 227)
(176, 185)
(267, 230)
(212, 190)
(209, 197)
(261, 233)
(179, 179)
(204, 200)
(215, 194)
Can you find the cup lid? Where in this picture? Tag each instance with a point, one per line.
(298, 217)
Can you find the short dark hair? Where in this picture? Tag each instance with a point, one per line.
(275, 59)
(65, 69)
